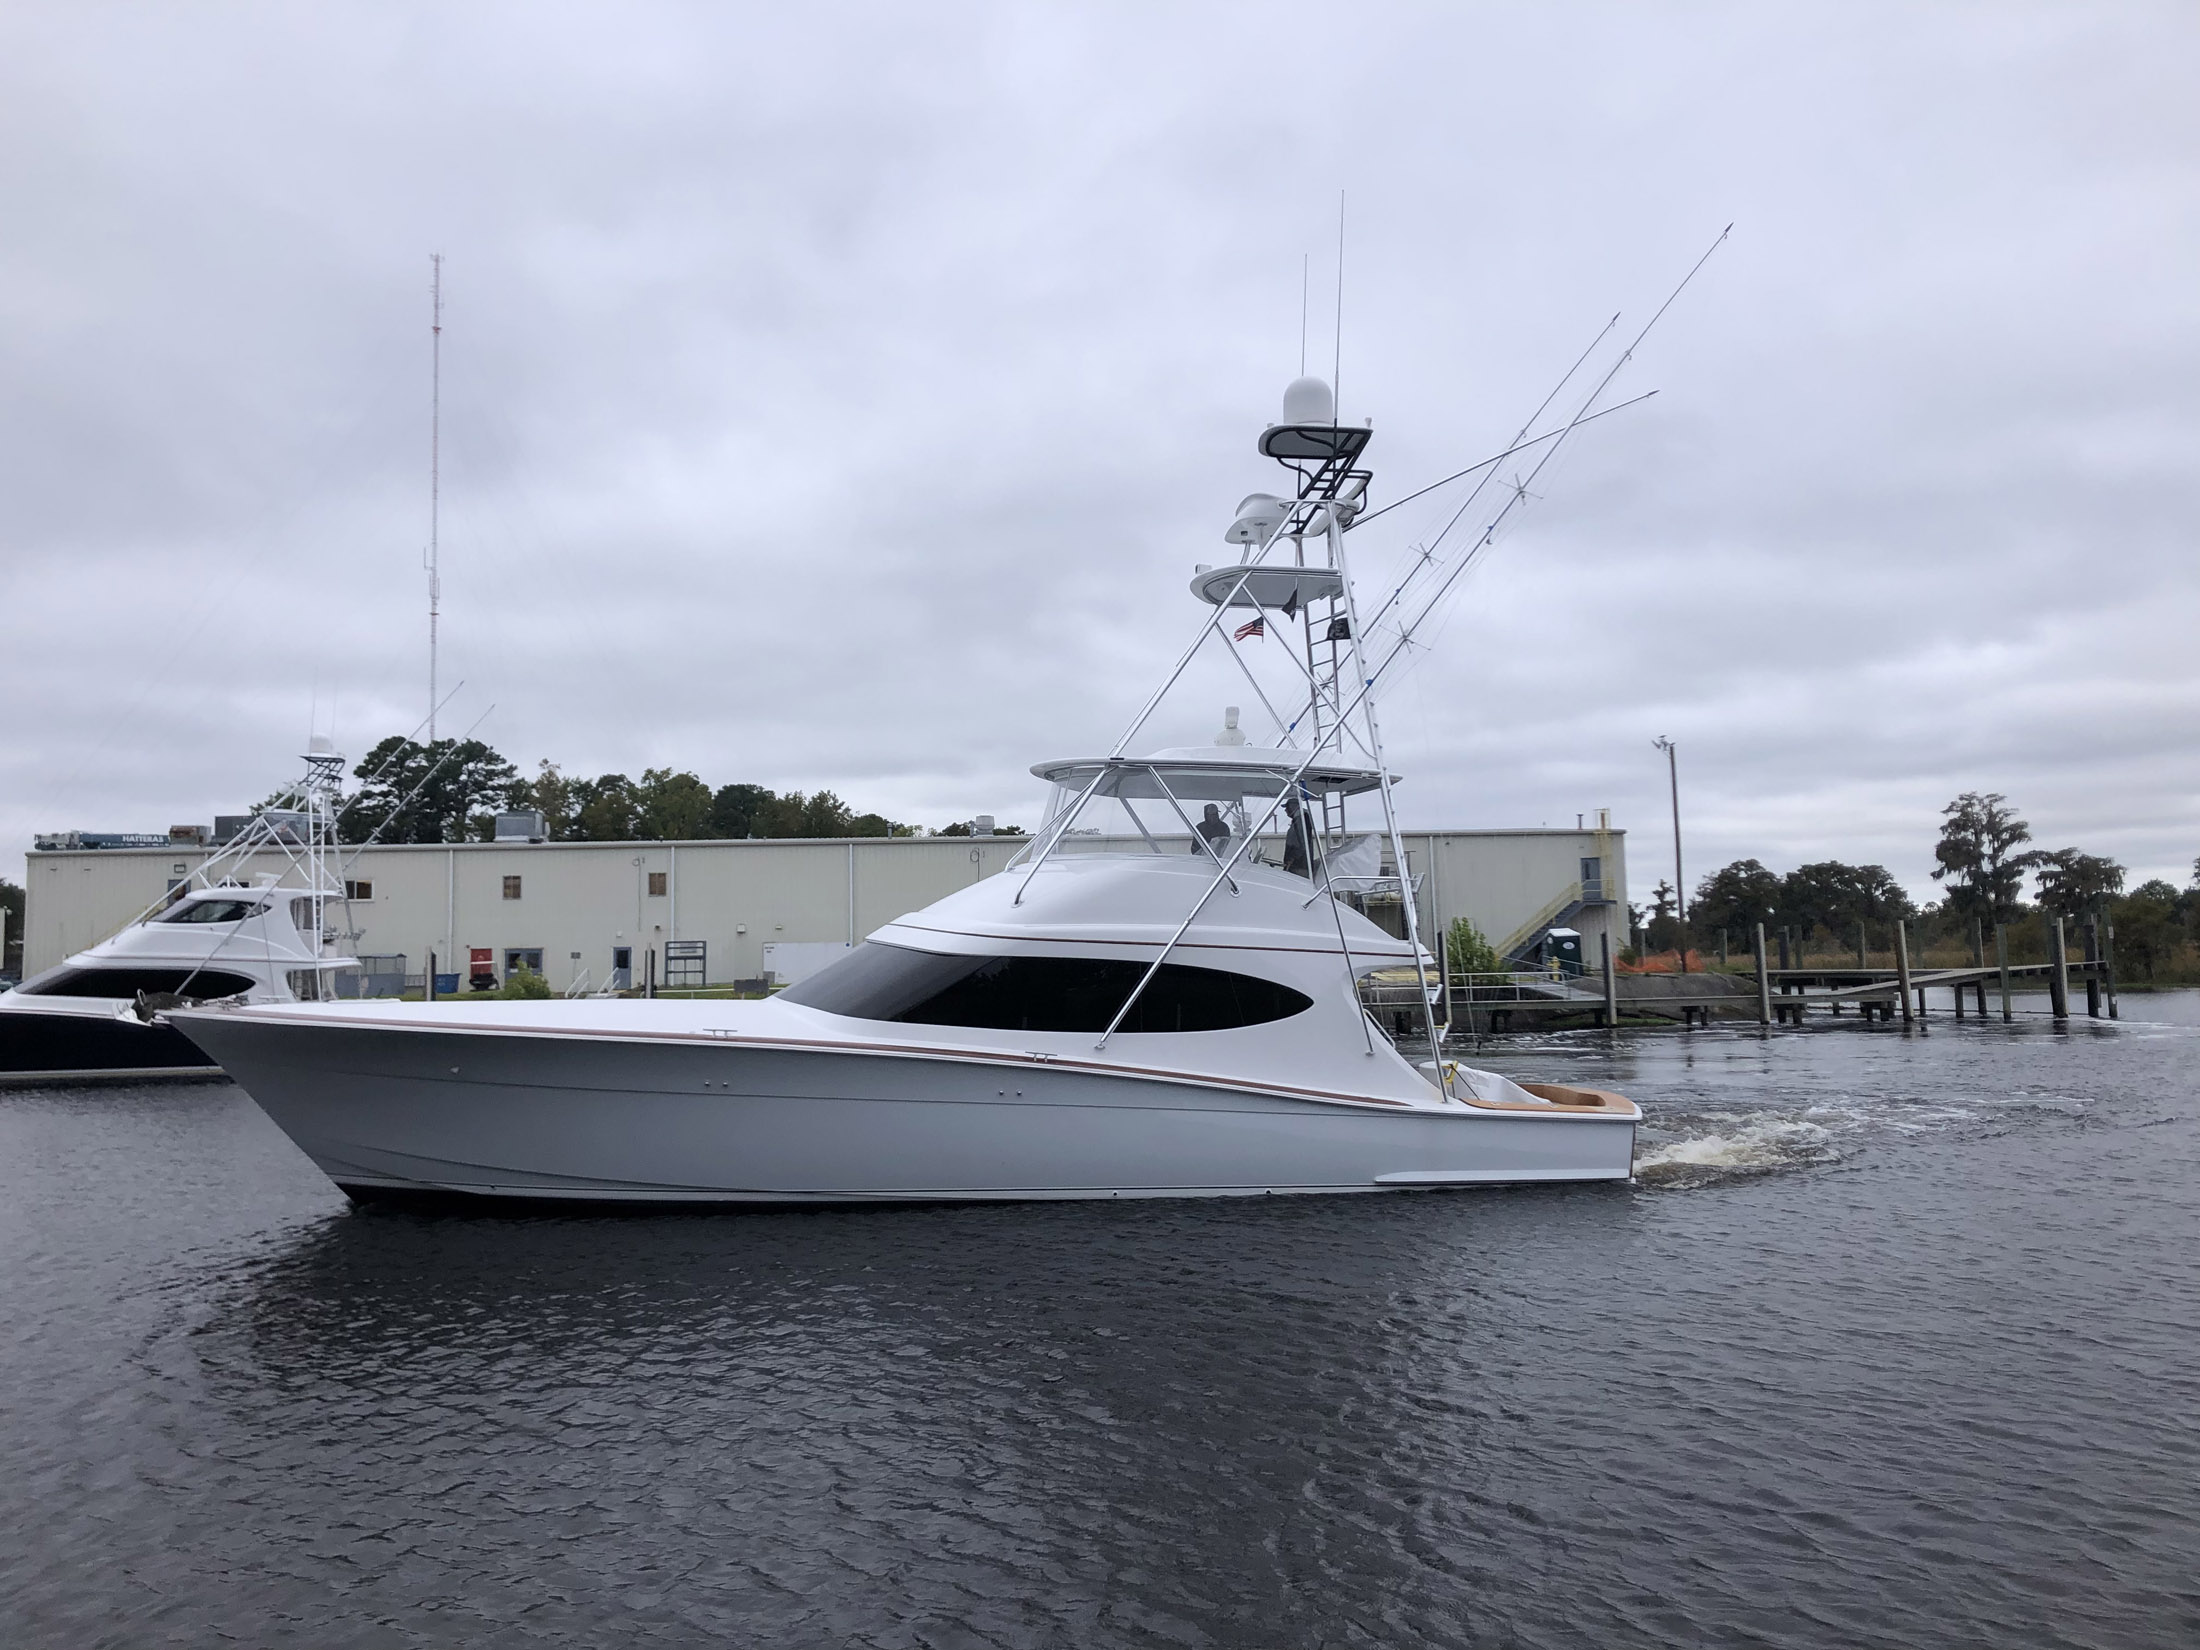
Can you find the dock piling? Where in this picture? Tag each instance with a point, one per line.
(2093, 968)
(1902, 968)
(2058, 973)
(2108, 966)
(2001, 957)
(1764, 981)
(1611, 985)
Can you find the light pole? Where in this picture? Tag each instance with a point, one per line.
(1680, 897)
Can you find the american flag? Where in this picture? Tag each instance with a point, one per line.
(1251, 627)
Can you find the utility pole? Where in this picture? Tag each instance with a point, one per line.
(1680, 897)
(435, 479)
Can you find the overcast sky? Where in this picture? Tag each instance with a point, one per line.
(841, 396)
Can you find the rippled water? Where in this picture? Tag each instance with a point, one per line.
(1894, 1343)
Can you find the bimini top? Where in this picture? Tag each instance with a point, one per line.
(1207, 773)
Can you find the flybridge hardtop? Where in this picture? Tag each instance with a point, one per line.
(253, 923)
(1159, 996)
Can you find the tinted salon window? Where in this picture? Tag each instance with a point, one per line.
(212, 910)
(891, 982)
(126, 983)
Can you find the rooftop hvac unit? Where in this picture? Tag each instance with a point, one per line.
(523, 826)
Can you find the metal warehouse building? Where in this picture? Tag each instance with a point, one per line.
(590, 914)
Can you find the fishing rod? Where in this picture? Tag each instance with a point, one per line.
(1521, 442)
(398, 807)
(390, 760)
(1524, 443)
(1520, 488)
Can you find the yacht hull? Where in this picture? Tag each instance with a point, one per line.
(387, 1112)
(92, 1044)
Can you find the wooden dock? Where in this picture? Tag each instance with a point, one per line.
(1785, 994)
(1477, 1003)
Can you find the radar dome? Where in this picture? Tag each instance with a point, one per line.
(1257, 519)
(1309, 401)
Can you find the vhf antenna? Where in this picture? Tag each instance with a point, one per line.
(1336, 366)
(435, 481)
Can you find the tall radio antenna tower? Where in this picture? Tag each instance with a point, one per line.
(435, 481)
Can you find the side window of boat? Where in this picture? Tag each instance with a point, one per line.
(212, 910)
(126, 983)
(887, 982)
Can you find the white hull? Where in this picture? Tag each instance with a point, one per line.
(659, 1117)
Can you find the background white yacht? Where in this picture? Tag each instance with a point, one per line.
(251, 924)
(1159, 997)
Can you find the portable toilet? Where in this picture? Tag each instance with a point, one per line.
(1562, 950)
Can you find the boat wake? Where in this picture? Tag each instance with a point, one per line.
(1684, 1152)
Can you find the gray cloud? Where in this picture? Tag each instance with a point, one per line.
(841, 396)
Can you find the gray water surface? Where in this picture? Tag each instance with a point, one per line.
(1893, 1343)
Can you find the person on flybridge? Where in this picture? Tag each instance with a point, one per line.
(1298, 856)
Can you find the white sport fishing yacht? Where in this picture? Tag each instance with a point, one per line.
(1160, 997)
(250, 925)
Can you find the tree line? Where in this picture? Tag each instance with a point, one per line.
(1984, 859)
(453, 789)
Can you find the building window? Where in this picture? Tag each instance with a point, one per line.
(511, 887)
(656, 885)
(358, 890)
(686, 965)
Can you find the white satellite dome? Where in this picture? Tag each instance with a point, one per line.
(1258, 517)
(1309, 401)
